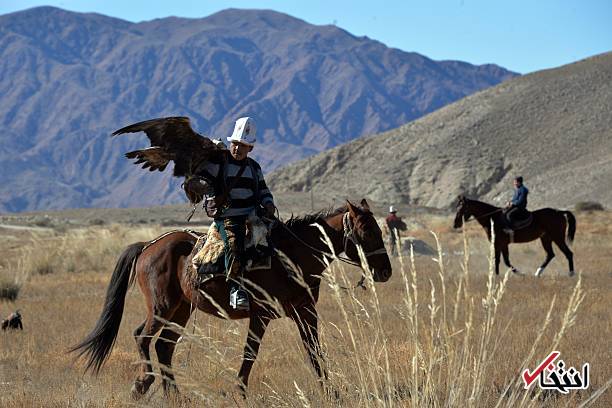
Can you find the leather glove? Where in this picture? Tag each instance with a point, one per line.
(195, 189)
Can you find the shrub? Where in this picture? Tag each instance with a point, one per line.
(43, 221)
(9, 290)
(588, 206)
(11, 283)
(41, 259)
(97, 221)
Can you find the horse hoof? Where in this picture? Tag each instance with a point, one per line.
(333, 394)
(139, 389)
(136, 393)
(516, 271)
(242, 390)
(176, 398)
(171, 392)
(539, 272)
(571, 273)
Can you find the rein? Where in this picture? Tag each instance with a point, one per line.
(320, 252)
(484, 215)
(349, 235)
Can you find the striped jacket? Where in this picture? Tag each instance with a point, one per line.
(247, 192)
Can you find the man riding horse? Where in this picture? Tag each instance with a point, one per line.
(238, 178)
(549, 225)
(394, 226)
(516, 209)
(230, 183)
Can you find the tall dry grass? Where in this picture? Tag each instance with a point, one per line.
(450, 354)
(443, 332)
(79, 250)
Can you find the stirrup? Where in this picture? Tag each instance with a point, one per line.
(239, 299)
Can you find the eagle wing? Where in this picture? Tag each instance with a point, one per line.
(172, 139)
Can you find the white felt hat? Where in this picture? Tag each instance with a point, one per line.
(244, 132)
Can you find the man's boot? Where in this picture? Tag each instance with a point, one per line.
(239, 298)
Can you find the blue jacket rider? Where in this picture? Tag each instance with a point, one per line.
(519, 199)
(517, 207)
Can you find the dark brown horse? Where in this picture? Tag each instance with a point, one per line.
(549, 225)
(171, 293)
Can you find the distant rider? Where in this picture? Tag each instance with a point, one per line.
(394, 226)
(517, 207)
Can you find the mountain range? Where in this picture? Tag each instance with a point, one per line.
(67, 80)
(553, 127)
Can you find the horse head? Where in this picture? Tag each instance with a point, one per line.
(463, 211)
(361, 228)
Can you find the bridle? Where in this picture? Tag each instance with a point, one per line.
(348, 236)
(474, 218)
(348, 232)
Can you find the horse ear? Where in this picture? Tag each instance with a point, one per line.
(461, 198)
(352, 209)
(365, 205)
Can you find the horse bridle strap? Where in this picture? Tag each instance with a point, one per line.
(484, 215)
(349, 235)
(326, 254)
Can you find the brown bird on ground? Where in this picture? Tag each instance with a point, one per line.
(13, 321)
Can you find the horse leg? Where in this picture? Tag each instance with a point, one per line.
(497, 253)
(306, 320)
(143, 335)
(550, 254)
(568, 254)
(506, 255)
(165, 344)
(257, 329)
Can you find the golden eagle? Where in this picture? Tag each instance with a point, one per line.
(173, 139)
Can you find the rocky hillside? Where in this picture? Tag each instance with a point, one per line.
(553, 127)
(67, 80)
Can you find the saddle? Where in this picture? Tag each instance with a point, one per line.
(208, 253)
(518, 219)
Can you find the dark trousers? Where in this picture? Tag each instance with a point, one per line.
(233, 231)
(516, 214)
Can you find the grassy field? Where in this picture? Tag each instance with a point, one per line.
(442, 332)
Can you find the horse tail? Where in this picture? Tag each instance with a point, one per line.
(98, 344)
(571, 225)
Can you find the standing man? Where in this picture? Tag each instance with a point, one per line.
(517, 207)
(394, 226)
(239, 188)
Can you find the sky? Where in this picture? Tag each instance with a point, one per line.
(523, 36)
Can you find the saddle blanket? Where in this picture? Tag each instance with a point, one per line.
(520, 223)
(209, 249)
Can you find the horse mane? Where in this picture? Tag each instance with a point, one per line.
(305, 220)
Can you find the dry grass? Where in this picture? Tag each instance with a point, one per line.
(442, 332)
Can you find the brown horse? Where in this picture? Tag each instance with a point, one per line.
(171, 293)
(548, 224)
